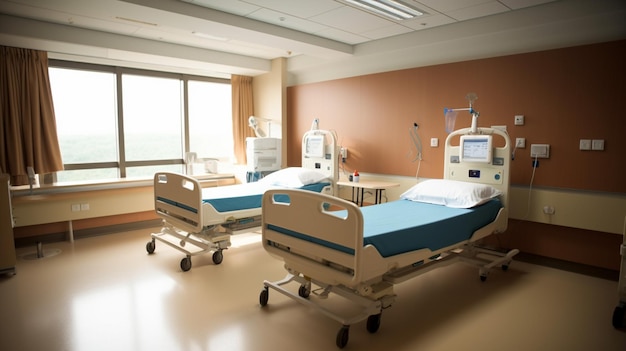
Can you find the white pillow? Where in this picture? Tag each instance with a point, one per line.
(451, 193)
(294, 177)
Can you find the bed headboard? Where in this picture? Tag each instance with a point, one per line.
(495, 172)
(320, 152)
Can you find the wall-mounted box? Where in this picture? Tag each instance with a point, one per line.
(540, 150)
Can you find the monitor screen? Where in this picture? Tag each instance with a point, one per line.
(314, 146)
(476, 148)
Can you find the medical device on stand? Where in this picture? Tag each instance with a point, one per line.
(330, 245)
(618, 312)
(263, 153)
(263, 157)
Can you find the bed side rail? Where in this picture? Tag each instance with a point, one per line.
(315, 234)
(178, 200)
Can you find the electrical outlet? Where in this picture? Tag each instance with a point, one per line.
(519, 120)
(75, 207)
(434, 142)
(540, 150)
(520, 143)
(344, 153)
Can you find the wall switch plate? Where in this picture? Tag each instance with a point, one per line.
(540, 150)
(585, 144)
(597, 144)
(520, 143)
(519, 120)
(434, 142)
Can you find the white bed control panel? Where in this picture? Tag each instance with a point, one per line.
(482, 175)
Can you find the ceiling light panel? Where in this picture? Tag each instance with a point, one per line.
(392, 9)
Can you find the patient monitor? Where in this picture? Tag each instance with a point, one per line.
(476, 148)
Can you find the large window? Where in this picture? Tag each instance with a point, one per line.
(121, 123)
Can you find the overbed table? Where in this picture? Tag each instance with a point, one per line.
(358, 189)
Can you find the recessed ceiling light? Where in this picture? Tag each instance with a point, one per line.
(209, 36)
(393, 9)
(136, 21)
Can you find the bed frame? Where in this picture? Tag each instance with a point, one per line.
(365, 277)
(194, 227)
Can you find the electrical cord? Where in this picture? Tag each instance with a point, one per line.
(530, 187)
(417, 142)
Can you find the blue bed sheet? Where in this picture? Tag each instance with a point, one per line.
(403, 226)
(246, 196)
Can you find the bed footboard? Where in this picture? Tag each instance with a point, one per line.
(319, 236)
(178, 200)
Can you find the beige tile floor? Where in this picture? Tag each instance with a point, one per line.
(107, 293)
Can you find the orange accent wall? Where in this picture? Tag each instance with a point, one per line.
(565, 95)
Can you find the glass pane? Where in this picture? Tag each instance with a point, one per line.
(88, 174)
(152, 118)
(210, 120)
(148, 171)
(84, 105)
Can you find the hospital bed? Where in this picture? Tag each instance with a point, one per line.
(361, 253)
(199, 220)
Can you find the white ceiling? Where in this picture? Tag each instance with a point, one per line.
(240, 37)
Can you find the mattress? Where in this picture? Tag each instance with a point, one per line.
(403, 226)
(245, 196)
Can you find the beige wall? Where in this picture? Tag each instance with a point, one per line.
(270, 101)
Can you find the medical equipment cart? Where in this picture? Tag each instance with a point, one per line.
(618, 313)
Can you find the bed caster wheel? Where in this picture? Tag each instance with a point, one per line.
(505, 267)
(373, 323)
(264, 297)
(483, 278)
(218, 257)
(618, 317)
(150, 246)
(303, 291)
(185, 264)
(343, 336)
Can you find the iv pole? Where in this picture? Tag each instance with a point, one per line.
(471, 97)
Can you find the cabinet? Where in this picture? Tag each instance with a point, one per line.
(7, 242)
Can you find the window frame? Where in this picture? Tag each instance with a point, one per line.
(122, 165)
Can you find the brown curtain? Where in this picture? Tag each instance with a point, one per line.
(27, 121)
(243, 108)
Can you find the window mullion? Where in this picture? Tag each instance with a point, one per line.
(120, 124)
